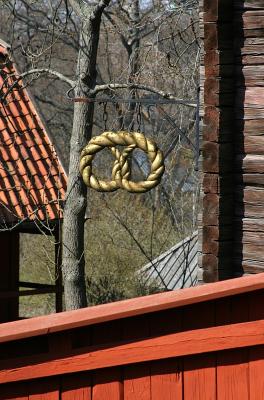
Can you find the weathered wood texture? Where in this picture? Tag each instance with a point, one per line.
(206, 350)
(233, 138)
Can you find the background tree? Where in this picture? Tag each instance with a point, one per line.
(151, 45)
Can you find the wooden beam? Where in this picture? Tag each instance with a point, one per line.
(33, 285)
(31, 292)
(123, 353)
(128, 308)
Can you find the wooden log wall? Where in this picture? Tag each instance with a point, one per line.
(233, 139)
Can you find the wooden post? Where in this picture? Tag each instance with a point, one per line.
(9, 244)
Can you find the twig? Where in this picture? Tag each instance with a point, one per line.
(32, 72)
(114, 86)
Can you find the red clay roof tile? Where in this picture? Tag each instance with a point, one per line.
(32, 179)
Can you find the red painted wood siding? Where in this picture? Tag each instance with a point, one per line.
(208, 350)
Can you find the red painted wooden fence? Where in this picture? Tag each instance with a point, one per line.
(200, 343)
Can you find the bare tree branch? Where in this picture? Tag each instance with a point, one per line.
(118, 30)
(94, 11)
(99, 8)
(32, 72)
(49, 71)
(76, 6)
(114, 86)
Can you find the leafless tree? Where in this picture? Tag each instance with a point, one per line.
(147, 35)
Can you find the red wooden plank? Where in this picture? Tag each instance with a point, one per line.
(107, 383)
(199, 372)
(256, 354)
(232, 376)
(137, 377)
(199, 378)
(112, 311)
(232, 366)
(166, 375)
(76, 387)
(256, 376)
(168, 346)
(167, 380)
(137, 383)
(45, 396)
(44, 390)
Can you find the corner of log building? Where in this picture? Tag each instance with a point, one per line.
(231, 223)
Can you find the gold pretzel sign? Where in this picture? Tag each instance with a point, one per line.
(121, 168)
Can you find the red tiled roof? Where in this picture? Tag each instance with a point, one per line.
(32, 179)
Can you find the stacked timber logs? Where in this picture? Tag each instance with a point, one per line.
(218, 140)
(233, 139)
(249, 149)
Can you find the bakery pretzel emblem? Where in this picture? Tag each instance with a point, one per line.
(121, 168)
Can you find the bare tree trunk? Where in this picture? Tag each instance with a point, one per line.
(135, 40)
(133, 56)
(76, 198)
